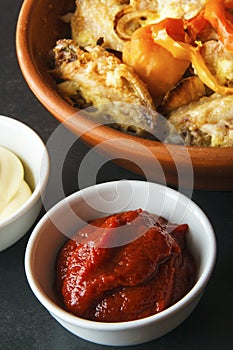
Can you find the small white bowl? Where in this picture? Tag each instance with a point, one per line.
(27, 145)
(107, 198)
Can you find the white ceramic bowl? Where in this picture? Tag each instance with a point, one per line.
(27, 145)
(107, 198)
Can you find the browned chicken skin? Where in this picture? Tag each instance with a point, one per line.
(92, 76)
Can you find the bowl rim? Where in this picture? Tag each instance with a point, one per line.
(62, 314)
(43, 178)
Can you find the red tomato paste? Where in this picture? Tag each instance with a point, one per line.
(125, 267)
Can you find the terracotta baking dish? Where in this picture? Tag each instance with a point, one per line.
(39, 26)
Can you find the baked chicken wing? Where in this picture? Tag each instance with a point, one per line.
(92, 77)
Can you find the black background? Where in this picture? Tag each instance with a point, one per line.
(24, 323)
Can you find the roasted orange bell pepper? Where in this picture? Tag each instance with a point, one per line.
(196, 25)
(161, 52)
(186, 50)
(156, 66)
(220, 16)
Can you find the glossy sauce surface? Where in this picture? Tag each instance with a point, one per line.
(124, 267)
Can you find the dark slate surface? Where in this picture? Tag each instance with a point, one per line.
(24, 323)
